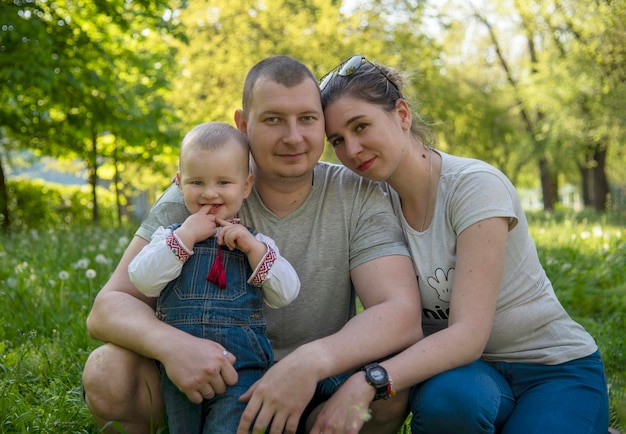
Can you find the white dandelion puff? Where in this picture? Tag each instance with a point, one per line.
(82, 263)
(101, 259)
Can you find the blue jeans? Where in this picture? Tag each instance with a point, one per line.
(514, 398)
(233, 317)
(219, 415)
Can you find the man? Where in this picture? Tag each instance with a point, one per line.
(336, 229)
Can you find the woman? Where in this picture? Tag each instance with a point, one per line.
(500, 354)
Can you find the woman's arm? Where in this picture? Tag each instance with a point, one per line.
(480, 256)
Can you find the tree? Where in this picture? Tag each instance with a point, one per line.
(561, 72)
(226, 40)
(69, 67)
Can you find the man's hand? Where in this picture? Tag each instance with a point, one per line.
(199, 367)
(279, 397)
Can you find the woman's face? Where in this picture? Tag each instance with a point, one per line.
(367, 139)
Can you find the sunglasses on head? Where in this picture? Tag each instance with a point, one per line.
(349, 67)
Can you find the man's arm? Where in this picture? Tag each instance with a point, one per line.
(390, 322)
(125, 317)
(110, 319)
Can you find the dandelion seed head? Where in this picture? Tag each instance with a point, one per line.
(90, 274)
(20, 268)
(64, 275)
(12, 282)
(597, 231)
(82, 263)
(101, 259)
(123, 241)
(585, 235)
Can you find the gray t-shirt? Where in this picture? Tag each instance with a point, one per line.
(530, 324)
(344, 222)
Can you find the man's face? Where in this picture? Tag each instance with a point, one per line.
(285, 129)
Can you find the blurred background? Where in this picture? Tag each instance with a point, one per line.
(95, 95)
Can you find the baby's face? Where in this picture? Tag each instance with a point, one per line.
(219, 178)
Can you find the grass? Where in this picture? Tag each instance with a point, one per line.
(48, 280)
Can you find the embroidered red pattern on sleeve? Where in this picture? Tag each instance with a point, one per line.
(264, 268)
(177, 248)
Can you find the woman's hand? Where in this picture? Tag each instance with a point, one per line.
(348, 409)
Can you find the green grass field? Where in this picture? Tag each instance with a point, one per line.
(49, 279)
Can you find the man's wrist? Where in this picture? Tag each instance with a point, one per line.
(314, 355)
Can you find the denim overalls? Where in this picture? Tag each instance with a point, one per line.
(232, 317)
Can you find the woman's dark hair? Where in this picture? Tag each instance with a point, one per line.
(375, 84)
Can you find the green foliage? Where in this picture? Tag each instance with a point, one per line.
(37, 204)
(48, 279)
(87, 80)
(117, 83)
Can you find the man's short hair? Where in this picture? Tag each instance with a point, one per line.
(284, 70)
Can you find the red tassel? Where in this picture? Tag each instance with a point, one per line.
(217, 274)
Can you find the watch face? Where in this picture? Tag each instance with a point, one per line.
(377, 375)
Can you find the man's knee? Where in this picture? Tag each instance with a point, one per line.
(117, 381)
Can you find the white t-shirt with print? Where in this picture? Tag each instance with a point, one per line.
(530, 324)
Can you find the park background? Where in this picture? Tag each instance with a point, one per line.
(96, 95)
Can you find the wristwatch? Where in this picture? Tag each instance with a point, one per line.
(378, 378)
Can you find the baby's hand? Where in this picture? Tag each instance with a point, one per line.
(198, 227)
(236, 236)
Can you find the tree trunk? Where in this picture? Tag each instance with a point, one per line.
(93, 176)
(4, 202)
(548, 185)
(600, 181)
(585, 177)
(116, 184)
